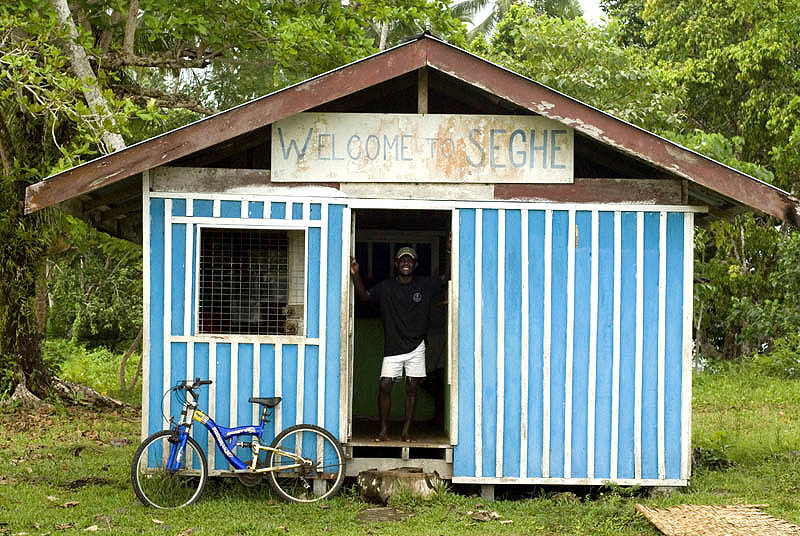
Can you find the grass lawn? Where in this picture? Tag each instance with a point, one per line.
(65, 471)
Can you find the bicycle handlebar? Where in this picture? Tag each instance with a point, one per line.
(184, 384)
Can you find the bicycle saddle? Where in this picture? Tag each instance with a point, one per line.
(270, 402)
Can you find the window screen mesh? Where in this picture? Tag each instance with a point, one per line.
(251, 281)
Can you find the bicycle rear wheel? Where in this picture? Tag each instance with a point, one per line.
(320, 474)
(156, 486)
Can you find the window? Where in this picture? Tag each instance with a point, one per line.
(251, 281)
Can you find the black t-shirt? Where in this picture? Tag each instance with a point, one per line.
(405, 310)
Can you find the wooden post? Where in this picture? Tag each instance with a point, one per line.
(422, 90)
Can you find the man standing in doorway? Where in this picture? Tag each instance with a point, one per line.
(405, 304)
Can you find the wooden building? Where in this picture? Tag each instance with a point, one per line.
(567, 328)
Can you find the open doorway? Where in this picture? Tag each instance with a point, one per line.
(379, 234)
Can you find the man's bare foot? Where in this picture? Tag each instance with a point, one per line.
(383, 436)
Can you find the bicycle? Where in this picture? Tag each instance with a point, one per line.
(303, 463)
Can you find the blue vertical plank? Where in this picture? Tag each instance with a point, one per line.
(222, 390)
(558, 339)
(580, 344)
(650, 347)
(177, 372)
(230, 209)
(155, 382)
(277, 210)
(255, 209)
(464, 451)
(488, 394)
(201, 370)
(605, 345)
(313, 291)
(536, 294)
(297, 211)
(333, 317)
(315, 210)
(512, 335)
(673, 383)
(178, 278)
(311, 385)
(179, 207)
(203, 208)
(627, 347)
(244, 383)
(266, 386)
(288, 406)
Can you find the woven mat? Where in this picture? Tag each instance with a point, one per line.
(714, 520)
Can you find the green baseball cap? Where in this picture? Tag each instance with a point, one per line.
(406, 251)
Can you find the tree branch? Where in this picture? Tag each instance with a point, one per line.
(80, 64)
(140, 95)
(187, 58)
(130, 28)
(6, 146)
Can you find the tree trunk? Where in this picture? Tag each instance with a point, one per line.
(80, 64)
(134, 344)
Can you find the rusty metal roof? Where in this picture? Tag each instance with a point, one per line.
(98, 185)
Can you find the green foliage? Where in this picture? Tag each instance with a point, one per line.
(781, 360)
(96, 368)
(584, 62)
(95, 289)
(736, 64)
(629, 15)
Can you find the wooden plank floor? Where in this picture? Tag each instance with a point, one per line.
(423, 435)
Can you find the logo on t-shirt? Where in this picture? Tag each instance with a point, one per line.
(417, 297)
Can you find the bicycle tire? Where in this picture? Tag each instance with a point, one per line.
(155, 486)
(320, 479)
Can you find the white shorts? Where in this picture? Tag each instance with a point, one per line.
(413, 362)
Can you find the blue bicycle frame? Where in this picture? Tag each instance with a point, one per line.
(225, 438)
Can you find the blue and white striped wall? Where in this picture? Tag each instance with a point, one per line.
(304, 370)
(573, 344)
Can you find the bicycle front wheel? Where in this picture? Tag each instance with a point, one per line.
(157, 486)
(307, 465)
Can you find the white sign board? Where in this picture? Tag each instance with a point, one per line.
(342, 147)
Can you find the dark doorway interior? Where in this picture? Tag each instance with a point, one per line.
(380, 233)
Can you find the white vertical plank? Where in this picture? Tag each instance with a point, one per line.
(301, 359)
(278, 415)
(190, 361)
(615, 394)
(256, 390)
(244, 212)
(234, 372)
(212, 399)
(687, 346)
(346, 313)
(187, 288)
(167, 328)
(452, 339)
(637, 419)
(662, 338)
(478, 350)
(592, 387)
(501, 320)
(548, 282)
(524, 372)
(217, 207)
(146, 302)
(570, 349)
(323, 314)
